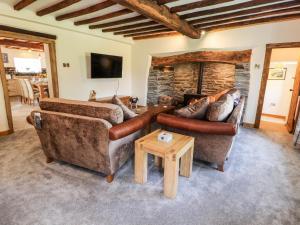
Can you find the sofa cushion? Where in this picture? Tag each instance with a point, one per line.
(197, 110)
(110, 112)
(128, 114)
(236, 94)
(221, 109)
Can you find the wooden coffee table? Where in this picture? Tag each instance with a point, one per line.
(181, 148)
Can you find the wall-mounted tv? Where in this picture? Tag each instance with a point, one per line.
(106, 66)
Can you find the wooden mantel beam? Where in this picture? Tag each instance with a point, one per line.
(232, 57)
(162, 15)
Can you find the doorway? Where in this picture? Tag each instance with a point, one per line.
(28, 73)
(279, 94)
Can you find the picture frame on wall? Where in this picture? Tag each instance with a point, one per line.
(277, 73)
(5, 57)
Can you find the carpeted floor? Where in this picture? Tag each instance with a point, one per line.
(261, 186)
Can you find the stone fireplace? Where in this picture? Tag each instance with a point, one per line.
(205, 78)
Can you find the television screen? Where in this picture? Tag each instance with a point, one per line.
(106, 66)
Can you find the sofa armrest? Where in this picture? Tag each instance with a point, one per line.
(130, 126)
(29, 119)
(195, 125)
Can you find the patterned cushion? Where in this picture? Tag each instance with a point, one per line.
(128, 114)
(197, 110)
(221, 109)
(110, 112)
(236, 94)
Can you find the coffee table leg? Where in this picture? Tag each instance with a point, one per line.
(171, 176)
(186, 163)
(158, 161)
(140, 165)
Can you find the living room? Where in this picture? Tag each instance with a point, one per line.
(45, 176)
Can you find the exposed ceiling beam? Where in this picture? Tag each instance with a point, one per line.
(198, 4)
(88, 10)
(239, 6)
(272, 19)
(162, 2)
(22, 44)
(58, 6)
(118, 22)
(260, 11)
(104, 17)
(158, 35)
(249, 17)
(22, 4)
(140, 30)
(148, 32)
(128, 27)
(160, 14)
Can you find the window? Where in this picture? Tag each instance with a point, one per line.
(28, 65)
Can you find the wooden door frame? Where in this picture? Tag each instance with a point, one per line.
(11, 32)
(265, 74)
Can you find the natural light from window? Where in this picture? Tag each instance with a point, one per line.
(28, 65)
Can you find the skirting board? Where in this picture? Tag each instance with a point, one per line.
(5, 133)
(274, 116)
(248, 125)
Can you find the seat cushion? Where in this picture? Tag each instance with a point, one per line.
(110, 112)
(128, 113)
(197, 110)
(221, 109)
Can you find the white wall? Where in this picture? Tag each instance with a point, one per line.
(252, 37)
(17, 53)
(72, 47)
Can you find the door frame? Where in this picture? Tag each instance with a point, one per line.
(265, 74)
(11, 32)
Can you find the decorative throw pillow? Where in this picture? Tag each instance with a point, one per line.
(194, 111)
(221, 109)
(236, 94)
(128, 114)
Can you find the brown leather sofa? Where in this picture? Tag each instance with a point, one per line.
(87, 134)
(213, 140)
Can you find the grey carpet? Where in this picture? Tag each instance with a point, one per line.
(261, 186)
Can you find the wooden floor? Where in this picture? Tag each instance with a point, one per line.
(273, 126)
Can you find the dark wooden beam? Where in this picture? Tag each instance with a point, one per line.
(58, 6)
(23, 3)
(28, 32)
(22, 44)
(160, 14)
(103, 17)
(239, 6)
(276, 8)
(249, 17)
(88, 10)
(133, 31)
(157, 35)
(232, 57)
(118, 22)
(272, 19)
(198, 4)
(148, 32)
(162, 2)
(128, 27)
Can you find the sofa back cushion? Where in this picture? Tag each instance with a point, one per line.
(197, 110)
(221, 109)
(110, 112)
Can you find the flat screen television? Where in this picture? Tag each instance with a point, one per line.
(106, 66)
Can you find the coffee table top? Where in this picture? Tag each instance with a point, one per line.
(152, 145)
